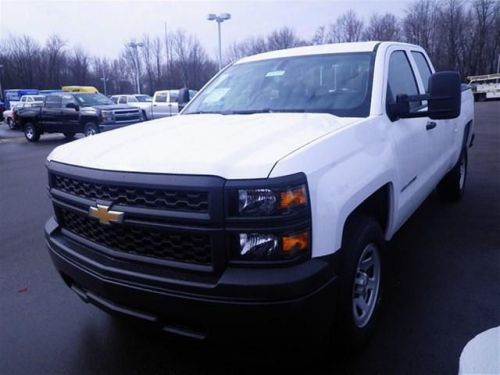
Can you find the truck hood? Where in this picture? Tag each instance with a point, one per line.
(230, 146)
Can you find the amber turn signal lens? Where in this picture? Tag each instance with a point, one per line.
(293, 197)
(299, 241)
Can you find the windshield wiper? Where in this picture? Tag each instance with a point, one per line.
(205, 113)
(265, 110)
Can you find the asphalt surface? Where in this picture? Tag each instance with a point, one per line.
(443, 288)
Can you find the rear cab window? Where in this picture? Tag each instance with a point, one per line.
(53, 101)
(423, 68)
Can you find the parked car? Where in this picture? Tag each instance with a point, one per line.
(165, 103)
(266, 205)
(144, 102)
(71, 113)
(8, 118)
(29, 101)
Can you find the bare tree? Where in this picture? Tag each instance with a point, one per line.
(485, 41)
(55, 57)
(419, 24)
(78, 67)
(348, 27)
(385, 27)
(249, 46)
(282, 39)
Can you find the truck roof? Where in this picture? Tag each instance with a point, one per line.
(318, 50)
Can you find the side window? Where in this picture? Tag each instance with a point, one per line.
(66, 99)
(132, 99)
(401, 78)
(161, 98)
(114, 99)
(423, 68)
(123, 100)
(23, 99)
(53, 101)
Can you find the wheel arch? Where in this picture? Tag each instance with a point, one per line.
(378, 205)
(84, 120)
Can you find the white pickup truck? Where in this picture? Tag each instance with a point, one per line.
(164, 103)
(267, 203)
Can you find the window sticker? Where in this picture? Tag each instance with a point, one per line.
(275, 73)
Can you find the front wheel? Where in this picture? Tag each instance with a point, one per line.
(452, 186)
(360, 281)
(31, 133)
(90, 129)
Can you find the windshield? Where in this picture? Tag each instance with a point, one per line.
(144, 98)
(89, 99)
(339, 84)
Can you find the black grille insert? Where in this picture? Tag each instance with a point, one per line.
(155, 243)
(180, 200)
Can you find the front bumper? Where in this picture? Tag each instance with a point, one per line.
(111, 126)
(292, 300)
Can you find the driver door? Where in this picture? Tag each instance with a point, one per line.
(411, 136)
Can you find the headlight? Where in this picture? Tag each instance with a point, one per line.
(269, 219)
(272, 202)
(107, 115)
(266, 246)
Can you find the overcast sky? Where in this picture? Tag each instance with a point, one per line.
(102, 27)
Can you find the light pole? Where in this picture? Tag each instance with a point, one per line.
(104, 79)
(219, 18)
(134, 46)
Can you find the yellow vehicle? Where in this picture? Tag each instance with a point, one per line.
(80, 89)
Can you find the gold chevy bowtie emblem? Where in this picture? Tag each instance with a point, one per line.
(104, 215)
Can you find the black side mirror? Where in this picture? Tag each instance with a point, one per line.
(445, 95)
(444, 99)
(183, 97)
(73, 105)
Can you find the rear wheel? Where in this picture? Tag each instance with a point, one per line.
(360, 281)
(90, 129)
(31, 133)
(452, 186)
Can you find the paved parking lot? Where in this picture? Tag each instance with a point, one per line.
(443, 288)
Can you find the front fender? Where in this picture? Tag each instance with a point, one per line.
(343, 168)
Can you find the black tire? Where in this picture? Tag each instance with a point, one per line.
(90, 129)
(144, 116)
(11, 124)
(481, 97)
(69, 135)
(31, 132)
(363, 240)
(452, 186)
